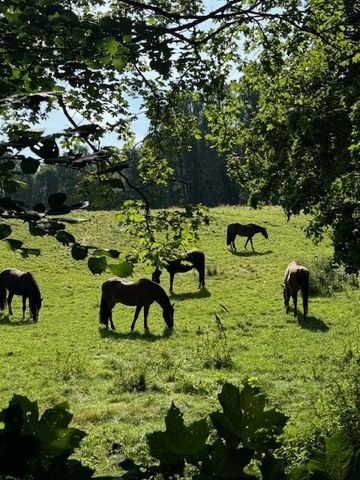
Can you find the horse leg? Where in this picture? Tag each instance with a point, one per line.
(172, 275)
(247, 241)
(294, 297)
(137, 311)
(23, 306)
(9, 300)
(233, 245)
(146, 313)
(286, 299)
(252, 246)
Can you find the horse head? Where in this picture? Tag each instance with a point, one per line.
(35, 306)
(155, 277)
(265, 234)
(168, 315)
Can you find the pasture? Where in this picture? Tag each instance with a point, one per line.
(120, 384)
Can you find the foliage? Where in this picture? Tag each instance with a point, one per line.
(298, 146)
(88, 62)
(244, 431)
(161, 234)
(327, 278)
(39, 447)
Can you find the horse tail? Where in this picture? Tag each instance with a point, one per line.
(305, 292)
(2, 297)
(229, 235)
(104, 311)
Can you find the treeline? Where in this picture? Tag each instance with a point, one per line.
(199, 175)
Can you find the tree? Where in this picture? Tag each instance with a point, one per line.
(300, 146)
(88, 62)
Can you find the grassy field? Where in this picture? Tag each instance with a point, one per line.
(119, 385)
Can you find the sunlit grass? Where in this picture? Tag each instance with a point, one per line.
(119, 385)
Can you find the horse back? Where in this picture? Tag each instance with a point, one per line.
(119, 290)
(13, 280)
(296, 276)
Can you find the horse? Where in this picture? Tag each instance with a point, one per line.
(243, 230)
(20, 283)
(194, 259)
(140, 294)
(296, 278)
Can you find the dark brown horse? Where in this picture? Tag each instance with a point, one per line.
(296, 278)
(187, 262)
(21, 283)
(140, 294)
(243, 230)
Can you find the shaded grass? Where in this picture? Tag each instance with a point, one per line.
(120, 384)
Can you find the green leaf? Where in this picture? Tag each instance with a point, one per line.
(337, 459)
(122, 269)
(12, 244)
(97, 265)
(230, 462)
(29, 166)
(57, 200)
(78, 252)
(244, 419)
(5, 231)
(64, 237)
(114, 183)
(178, 441)
(106, 252)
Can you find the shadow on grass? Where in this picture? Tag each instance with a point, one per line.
(313, 323)
(249, 254)
(203, 293)
(146, 336)
(15, 322)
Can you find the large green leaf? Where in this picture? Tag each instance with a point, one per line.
(337, 459)
(178, 441)
(244, 420)
(29, 166)
(123, 269)
(5, 231)
(12, 244)
(97, 265)
(64, 237)
(78, 252)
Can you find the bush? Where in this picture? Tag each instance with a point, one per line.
(326, 277)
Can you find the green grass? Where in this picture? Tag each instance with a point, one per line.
(119, 385)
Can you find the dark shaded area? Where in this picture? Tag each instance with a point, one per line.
(313, 323)
(145, 336)
(203, 293)
(15, 322)
(247, 253)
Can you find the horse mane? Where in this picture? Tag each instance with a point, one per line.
(34, 289)
(163, 297)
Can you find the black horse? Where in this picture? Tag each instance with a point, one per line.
(185, 263)
(243, 230)
(21, 283)
(296, 278)
(140, 294)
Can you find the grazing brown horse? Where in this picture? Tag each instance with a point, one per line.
(141, 294)
(243, 230)
(296, 278)
(21, 283)
(194, 259)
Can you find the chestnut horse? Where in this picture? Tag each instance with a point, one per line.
(243, 230)
(140, 294)
(296, 278)
(21, 283)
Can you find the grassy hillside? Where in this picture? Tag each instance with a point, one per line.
(119, 385)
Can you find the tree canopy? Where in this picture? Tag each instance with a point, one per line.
(278, 80)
